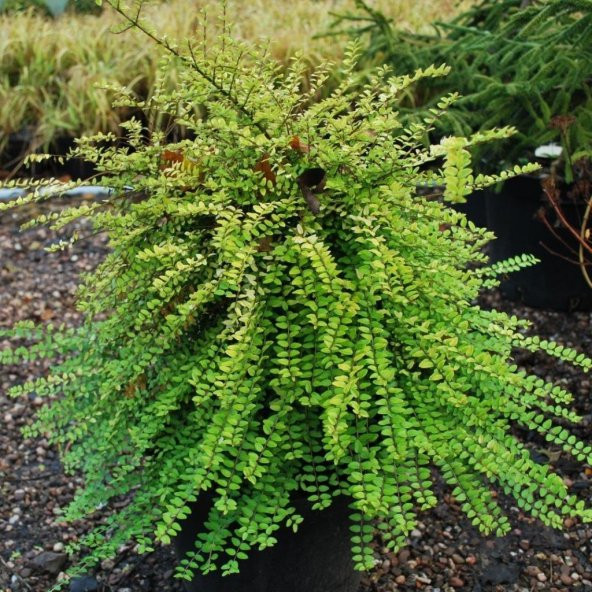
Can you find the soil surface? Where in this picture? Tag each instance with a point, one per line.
(445, 552)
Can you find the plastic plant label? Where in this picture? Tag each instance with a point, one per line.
(548, 151)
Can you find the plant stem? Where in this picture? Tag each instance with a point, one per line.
(135, 22)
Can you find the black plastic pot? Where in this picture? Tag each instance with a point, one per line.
(554, 283)
(315, 559)
(14, 149)
(475, 208)
(74, 167)
(20, 144)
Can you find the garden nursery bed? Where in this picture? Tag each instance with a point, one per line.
(444, 553)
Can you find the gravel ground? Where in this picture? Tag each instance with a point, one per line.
(445, 552)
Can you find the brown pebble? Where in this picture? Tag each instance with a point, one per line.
(471, 560)
(456, 582)
(400, 579)
(565, 579)
(564, 570)
(404, 555)
(457, 559)
(524, 544)
(392, 558)
(532, 571)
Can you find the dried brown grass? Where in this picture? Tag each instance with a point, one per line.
(51, 72)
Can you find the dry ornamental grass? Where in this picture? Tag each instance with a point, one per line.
(53, 73)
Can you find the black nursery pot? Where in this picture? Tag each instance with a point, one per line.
(19, 145)
(475, 208)
(554, 283)
(317, 558)
(75, 167)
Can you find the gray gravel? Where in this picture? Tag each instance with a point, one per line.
(445, 553)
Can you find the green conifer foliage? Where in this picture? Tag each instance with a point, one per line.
(515, 62)
(282, 315)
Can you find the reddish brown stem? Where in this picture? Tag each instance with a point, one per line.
(551, 193)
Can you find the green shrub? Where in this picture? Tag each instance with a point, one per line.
(526, 64)
(282, 314)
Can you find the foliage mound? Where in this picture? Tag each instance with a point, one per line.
(281, 315)
(526, 64)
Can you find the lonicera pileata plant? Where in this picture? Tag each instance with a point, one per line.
(282, 316)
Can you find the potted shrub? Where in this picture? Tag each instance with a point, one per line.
(527, 64)
(284, 330)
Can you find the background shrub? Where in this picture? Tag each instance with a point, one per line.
(525, 64)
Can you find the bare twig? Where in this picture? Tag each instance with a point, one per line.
(543, 218)
(583, 240)
(552, 194)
